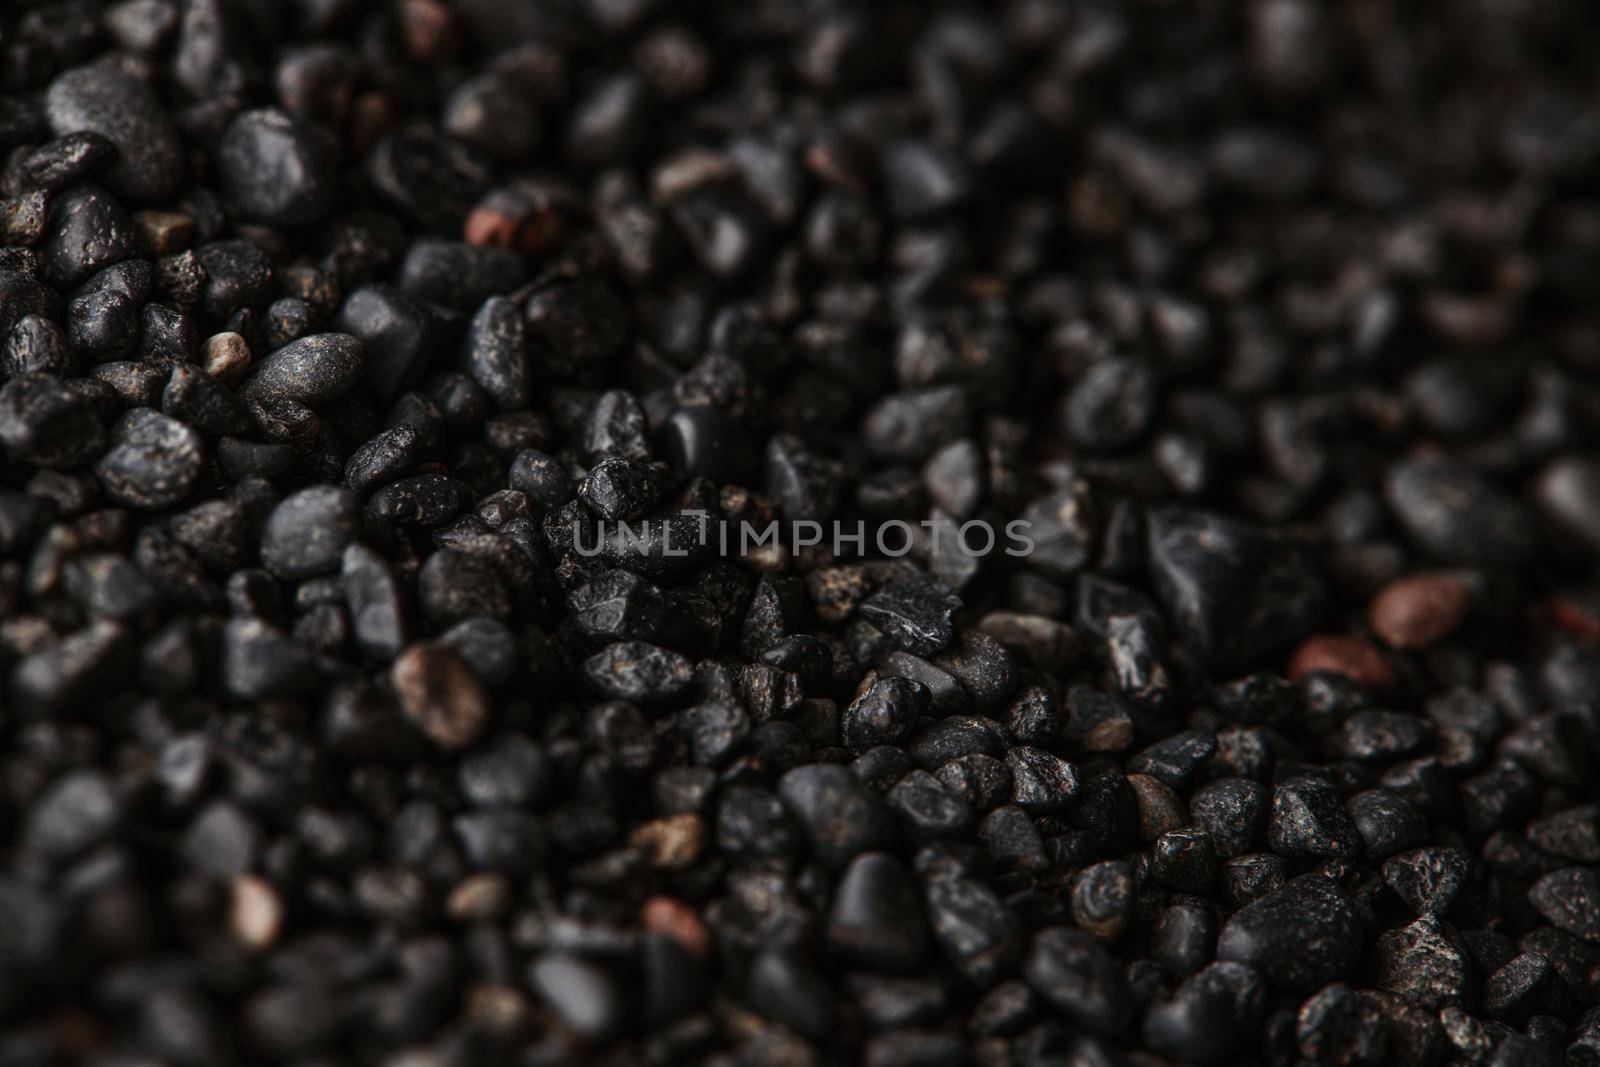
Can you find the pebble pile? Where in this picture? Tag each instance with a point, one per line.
(379, 380)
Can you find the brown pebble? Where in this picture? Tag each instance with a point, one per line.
(227, 357)
(1355, 658)
(668, 915)
(428, 28)
(256, 912)
(1047, 644)
(1418, 611)
(439, 694)
(478, 897)
(164, 232)
(486, 225)
(498, 1008)
(371, 116)
(673, 842)
(1160, 807)
(1578, 619)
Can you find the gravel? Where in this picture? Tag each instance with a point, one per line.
(904, 534)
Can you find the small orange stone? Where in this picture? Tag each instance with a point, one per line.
(1353, 657)
(1418, 611)
(668, 915)
(487, 226)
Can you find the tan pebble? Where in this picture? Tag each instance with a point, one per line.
(1418, 611)
(227, 357)
(680, 921)
(478, 897)
(499, 1008)
(1355, 658)
(256, 913)
(164, 232)
(439, 694)
(673, 842)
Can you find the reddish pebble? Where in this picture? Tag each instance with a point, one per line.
(1418, 611)
(1356, 659)
(428, 28)
(679, 921)
(1578, 619)
(487, 226)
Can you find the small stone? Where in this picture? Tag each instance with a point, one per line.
(43, 421)
(980, 936)
(1309, 819)
(1233, 811)
(1040, 780)
(1185, 860)
(76, 812)
(1425, 964)
(787, 990)
(236, 275)
(479, 897)
(840, 815)
(1045, 643)
(313, 370)
(88, 230)
(1520, 988)
(1103, 898)
(153, 463)
(1234, 590)
(307, 533)
(277, 170)
(372, 597)
(260, 662)
(163, 232)
(1080, 978)
(583, 996)
(679, 921)
(1570, 899)
(1567, 490)
(916, 612)
(1386, 822)
(923, 179)
(1418, 611)
(638, 671)
(439, 694)
(497, 354)
(36, 345)
(1210, 1014)
(256, 912)
(673, 842)
(1343, 1025)
(1456, 514)
(194, 397)
(876, 918)
(1300, 936)
(226, 357)
(1112, 405)
(928, 810)
(1350, 657)
(101, 99)
(1427, 879)
(884, 714)
(1177, 759)
(620, 489)
(399, 336)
